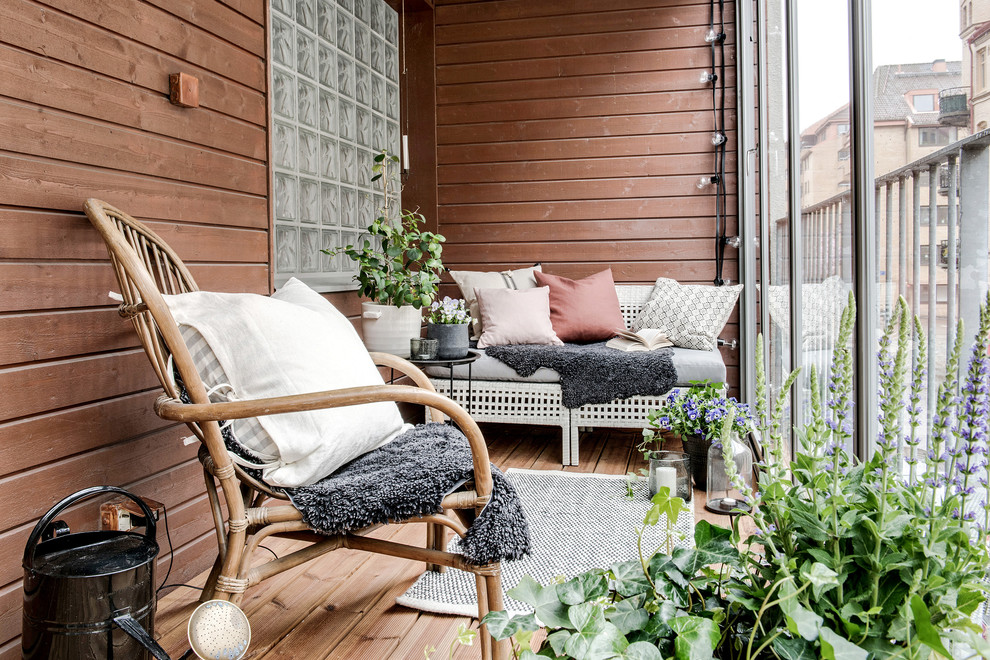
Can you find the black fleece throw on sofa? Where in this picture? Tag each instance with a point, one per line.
(593, 373)
(409, 477)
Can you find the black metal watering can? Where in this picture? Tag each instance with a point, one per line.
(90, 594)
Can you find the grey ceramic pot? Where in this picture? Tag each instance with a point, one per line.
(453, 338)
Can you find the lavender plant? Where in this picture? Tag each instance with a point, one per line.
(849, 560)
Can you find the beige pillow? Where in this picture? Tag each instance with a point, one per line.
(469, 280)
(515, 317)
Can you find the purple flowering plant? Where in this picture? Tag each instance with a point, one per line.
(699, 410)
(848, 560)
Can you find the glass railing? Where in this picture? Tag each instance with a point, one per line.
(931, 248)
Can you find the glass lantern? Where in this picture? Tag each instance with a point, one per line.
(721, 495)
(673, 470)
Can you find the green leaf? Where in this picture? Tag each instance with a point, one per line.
(696, 638)
(558, 639)
(502, 626)
(628, 615)
(835, 647)
(587, 586)
(642, 651)
(821, 578)
(794, 648)
(586, 617)
(544, 600)
(662, 568)
(629, 578)
(800, 621)
(923, 625)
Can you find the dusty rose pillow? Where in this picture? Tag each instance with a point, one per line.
(511, 316)
(583, 310)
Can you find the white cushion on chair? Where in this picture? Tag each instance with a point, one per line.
(292, 343)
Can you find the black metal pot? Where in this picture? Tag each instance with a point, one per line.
(90, 594)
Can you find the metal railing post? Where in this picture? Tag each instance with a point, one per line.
(916, 239)
(932, 279)
(952, 265)
(973, 203)
(902, 251)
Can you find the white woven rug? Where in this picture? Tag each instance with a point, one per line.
(576, 521)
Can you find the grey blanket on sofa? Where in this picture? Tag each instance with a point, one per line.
(593, 373)
(409, 477)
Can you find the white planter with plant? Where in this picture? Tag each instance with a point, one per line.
(449, 323)
(398, 269)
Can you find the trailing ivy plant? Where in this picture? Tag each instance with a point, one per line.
(850, 560)
(398, 263)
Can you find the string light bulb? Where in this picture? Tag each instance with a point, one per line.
(712, 36)
(707, 77)
(706, 181)
(718, 137)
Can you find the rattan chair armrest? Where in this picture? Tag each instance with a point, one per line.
(175, 410)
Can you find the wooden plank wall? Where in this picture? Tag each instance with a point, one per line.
(84, 112)
(573, 132)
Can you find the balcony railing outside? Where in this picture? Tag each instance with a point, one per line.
(931, 245)
(953, 107)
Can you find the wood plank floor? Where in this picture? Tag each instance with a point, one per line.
(343, 604)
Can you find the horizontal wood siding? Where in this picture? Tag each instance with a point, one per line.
(85, 113)
(572, 133)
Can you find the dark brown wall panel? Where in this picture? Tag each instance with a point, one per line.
(573, 132)
(84, 101)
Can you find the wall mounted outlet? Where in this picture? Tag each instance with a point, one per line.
(122, 513)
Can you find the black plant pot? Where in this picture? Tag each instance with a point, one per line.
(697, 448)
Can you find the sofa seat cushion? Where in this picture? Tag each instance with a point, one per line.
(690, 365)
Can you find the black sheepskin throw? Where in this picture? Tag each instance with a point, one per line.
(593, 373)
(409, 477)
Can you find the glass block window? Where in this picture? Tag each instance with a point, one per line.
(335, 103)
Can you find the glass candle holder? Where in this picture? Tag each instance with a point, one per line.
(673, 470)
(423, 349)
(722, 496)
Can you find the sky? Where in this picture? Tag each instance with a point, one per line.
(904, 31)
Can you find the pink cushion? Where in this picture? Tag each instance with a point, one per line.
(511, 316)
(583, 310)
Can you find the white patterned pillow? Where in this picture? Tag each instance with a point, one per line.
(294, 342)
(692, 316)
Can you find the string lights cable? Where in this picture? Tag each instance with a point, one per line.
(715, 76)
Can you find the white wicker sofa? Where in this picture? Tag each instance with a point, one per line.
(499, 394)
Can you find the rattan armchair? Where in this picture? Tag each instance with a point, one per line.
(146, 268)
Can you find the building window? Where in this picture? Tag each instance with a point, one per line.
(923, 102)
(980, 75)
(335, 102)
(821, 135)
(934, 137)
(842, 129)
(843, 154)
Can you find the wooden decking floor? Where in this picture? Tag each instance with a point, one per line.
(342, 605)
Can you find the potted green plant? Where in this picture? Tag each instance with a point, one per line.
(399, 269)
(696, 414)
(449, 323)
(850, 560)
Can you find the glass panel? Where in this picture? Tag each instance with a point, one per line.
(335, 103)
(922, 71)
(776, 295)
(824, 232)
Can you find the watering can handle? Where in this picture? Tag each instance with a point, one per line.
(86, 493)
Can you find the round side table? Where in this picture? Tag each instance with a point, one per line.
(469, 360)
